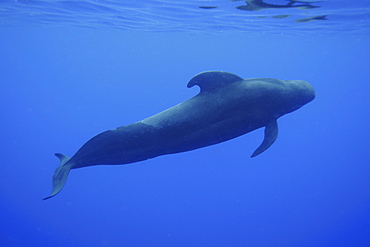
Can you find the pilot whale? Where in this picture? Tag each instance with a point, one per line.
(226, 107)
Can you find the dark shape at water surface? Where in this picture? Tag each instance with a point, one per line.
(280, 16)
(208, 7)
(314, 18)
(226, 107)
(255, 5)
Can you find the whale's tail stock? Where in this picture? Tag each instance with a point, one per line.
(60, 174)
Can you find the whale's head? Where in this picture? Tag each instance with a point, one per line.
(278, 97)
(295, 94)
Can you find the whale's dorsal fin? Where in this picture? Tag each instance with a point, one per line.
(209, 80)
(271, 133)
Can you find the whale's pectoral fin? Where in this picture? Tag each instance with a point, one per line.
(60, 174)
(271, 133)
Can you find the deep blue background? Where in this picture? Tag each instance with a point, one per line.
(61, 86)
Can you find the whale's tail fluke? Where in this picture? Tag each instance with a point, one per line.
(60, 174)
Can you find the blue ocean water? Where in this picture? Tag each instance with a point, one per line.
(72, 69)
